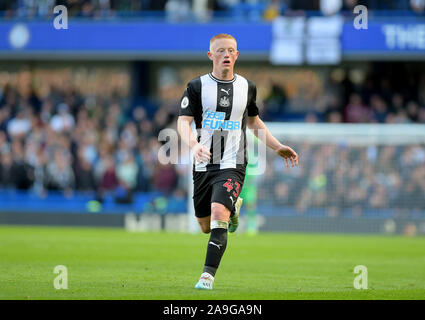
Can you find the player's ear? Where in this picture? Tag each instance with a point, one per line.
(210, 55)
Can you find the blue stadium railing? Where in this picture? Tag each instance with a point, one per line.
(12, 200)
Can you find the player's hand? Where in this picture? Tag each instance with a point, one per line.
(201, 153)
(288, 154)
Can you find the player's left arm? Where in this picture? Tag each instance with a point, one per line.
(257, 126)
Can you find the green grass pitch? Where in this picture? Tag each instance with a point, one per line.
(107, 263)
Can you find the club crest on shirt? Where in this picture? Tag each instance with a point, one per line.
(224, 102)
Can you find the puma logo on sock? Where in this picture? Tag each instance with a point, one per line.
(215, 244)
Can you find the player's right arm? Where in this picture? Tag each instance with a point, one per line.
(201, 153)
(190, 105)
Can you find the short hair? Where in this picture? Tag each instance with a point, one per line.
(222, 36)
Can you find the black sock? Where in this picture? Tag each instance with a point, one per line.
(215, 250)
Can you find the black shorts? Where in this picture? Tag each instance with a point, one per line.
(222, 186)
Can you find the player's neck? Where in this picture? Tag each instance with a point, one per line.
(225, 75)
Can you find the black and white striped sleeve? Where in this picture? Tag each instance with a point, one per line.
(252, 100)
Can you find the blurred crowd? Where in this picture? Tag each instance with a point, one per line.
(59, 137)
(386, 94)
(342, 177)
(183, 10)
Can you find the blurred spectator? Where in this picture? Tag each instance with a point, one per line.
(21, 173)
(334, 117)
(165, 178)
(330, 7)
(418, 5)
(275, 102)
(127, 171)
(178, 10)
(348, 5)
(108, 179)
(311, 118)
(20, 125)
(379, 108)
(59, 175)
(201, 9)
(356, 111)
(413, 111)
(6, 161)
(272, 10)
(84, 173)
(63, 120)
(281, 190)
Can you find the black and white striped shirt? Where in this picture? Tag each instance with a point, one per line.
(220, 109)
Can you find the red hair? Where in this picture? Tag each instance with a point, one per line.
(222, 36)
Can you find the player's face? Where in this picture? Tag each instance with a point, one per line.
(223, 53)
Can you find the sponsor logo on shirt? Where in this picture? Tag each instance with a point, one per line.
(215, 120)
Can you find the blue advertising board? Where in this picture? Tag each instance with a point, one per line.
(159, 40)
(128, 38)
(385, 39)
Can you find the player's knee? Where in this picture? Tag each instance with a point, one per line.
(219, 211)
